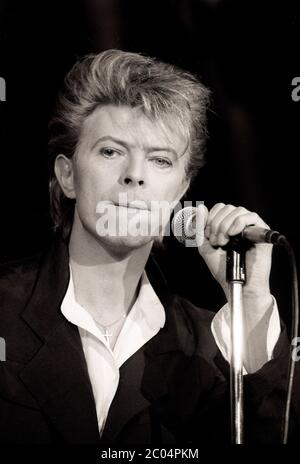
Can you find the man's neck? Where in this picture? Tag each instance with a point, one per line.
(105, 283)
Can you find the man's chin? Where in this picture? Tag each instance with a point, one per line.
(125, 244)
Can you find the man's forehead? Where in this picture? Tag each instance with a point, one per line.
(132, 125)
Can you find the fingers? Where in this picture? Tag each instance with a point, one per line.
(215, 216)
(225, 221)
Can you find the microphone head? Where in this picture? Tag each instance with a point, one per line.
(182, 224)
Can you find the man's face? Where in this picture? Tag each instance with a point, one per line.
(129, 164)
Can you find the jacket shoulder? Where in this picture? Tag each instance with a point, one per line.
(17, 279)
(195, 313)
(198, 321)
(17, 284)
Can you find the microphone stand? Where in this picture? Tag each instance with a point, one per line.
(236, 278)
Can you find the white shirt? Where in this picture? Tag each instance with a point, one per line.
(146, 318)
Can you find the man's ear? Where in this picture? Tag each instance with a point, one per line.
(65, 175)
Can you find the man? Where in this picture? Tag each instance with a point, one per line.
(97, 347)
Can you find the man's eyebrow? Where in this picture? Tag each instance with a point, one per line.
(167, 149)
(109, 138)
(127, 145)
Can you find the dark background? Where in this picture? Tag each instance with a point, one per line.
(247, 52)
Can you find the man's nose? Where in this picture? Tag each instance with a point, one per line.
(134, 173)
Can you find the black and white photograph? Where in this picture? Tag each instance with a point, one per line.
(149, 226)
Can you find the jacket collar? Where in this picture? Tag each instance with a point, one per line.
(42, 312)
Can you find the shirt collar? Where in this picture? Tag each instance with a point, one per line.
(147, 307)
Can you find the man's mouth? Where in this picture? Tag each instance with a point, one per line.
(141, 205)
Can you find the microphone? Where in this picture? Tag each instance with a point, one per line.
(184, 226)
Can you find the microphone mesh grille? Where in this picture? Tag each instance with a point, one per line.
(181, 224)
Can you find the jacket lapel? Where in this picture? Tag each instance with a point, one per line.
(129, 399)
(57, 375)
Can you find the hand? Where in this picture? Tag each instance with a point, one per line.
(223, 222)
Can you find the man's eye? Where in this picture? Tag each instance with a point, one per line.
(108, 152)
(162, 162)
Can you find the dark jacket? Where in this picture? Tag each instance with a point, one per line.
(172, 390)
